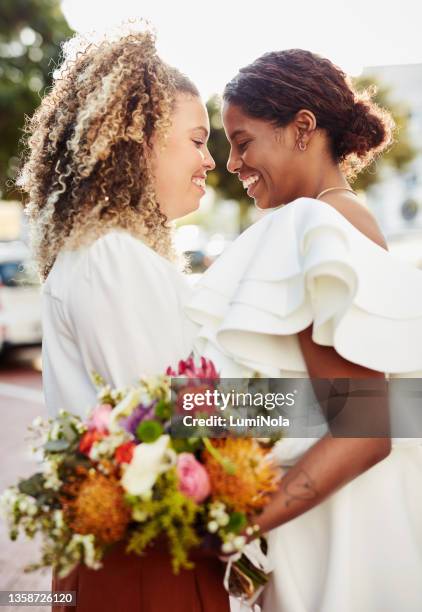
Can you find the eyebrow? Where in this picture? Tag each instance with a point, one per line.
(203, 129)
(236, 133)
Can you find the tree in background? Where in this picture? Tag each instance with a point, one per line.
(399, 155)
(402, 152)
(30, 35)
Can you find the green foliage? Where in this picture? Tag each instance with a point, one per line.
(163, 410)
(30, 35)
(71, 461)
(237, 522)
(35, 487)
(402, 152)
(66, 436)
(32, 486)
(56, 446)
(149, 431)
(187, 445)
(171, 513)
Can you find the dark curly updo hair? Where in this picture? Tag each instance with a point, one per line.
(279, 84)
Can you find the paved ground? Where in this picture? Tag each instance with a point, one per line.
(20, 402)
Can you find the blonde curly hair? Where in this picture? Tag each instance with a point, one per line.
(87, 169)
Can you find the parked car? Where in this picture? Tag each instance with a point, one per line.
(20, 297)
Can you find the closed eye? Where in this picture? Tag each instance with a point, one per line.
(198, 143)
(242, 146)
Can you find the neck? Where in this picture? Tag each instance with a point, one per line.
(332, 178)
(325, 176)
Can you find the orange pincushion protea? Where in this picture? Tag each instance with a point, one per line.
(255, 477)
(93, 503)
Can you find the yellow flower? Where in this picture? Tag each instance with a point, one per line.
(254, 478)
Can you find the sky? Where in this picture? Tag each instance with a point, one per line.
(211, 41)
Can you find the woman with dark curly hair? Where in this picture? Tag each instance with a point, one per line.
(117, 150)
(311, 291)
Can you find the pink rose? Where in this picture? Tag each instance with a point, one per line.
(193, 477)
(99, 418)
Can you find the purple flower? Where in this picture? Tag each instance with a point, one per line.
(140, 413)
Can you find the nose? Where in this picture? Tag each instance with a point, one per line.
(209, 162)
(233, 163)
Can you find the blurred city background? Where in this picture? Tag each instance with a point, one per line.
(378, 46)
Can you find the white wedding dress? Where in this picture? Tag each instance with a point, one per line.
(361, 549)
(114, 307)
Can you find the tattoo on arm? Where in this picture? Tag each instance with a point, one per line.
(298, 487)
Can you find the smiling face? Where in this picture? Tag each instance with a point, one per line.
(265, 157)
(180, 168)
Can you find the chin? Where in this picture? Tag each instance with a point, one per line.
(189, 209)
(261, 203)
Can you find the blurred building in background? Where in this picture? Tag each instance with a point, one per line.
(397, 198)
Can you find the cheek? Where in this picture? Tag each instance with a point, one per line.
(187, 161)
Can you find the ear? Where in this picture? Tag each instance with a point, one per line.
(305, 125)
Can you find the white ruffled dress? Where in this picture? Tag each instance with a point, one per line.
(361, 549)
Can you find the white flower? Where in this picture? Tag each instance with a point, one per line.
(239, 542)
(55, 430)
(32, 508)
(217, 508)
(212, 526)
(23, 505)
(37, 422)
(50, 471)
(87, 543)
(227, 547)
(9, 497)
(223, 519)
(104, 392)
(107, 446)
(58, 518)
(124, 408)
(148, 461)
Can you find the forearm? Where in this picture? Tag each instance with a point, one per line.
(328, 465)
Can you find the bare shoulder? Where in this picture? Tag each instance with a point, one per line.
(348, 205)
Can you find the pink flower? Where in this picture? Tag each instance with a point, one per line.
(193, 477)
(99, 418)
(190, 370)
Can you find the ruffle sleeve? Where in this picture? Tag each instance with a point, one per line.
(306, 264)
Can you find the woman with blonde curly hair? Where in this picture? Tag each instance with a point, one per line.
(117, 149)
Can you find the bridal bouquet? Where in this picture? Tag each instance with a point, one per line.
(121, 475)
